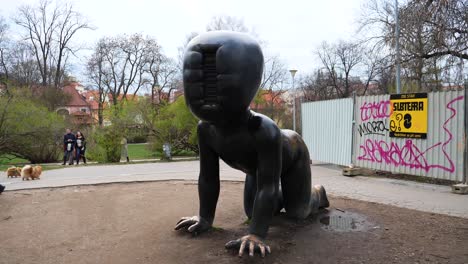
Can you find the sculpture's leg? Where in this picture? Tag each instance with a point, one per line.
(250, 189)
(300, 199)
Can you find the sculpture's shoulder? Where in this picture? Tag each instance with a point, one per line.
(263, 128)
(204, 129)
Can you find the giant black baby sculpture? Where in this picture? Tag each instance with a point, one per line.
(222, 73)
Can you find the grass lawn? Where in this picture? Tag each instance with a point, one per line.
(135, 152)
(7, 161)
(141, 151)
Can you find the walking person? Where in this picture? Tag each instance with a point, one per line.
(68, 146)
(124, 149)
(80, 147)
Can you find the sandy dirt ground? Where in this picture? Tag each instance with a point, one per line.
(133, 223)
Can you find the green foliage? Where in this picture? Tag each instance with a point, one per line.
(137, 135)
(125, 115)
(171, 123)
(176, 125)
(104, 144)
(259, 98)
(29, 130)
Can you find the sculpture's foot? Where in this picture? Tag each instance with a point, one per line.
(322, 194)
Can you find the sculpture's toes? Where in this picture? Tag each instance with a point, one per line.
(323, 199)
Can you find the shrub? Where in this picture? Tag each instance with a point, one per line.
(31, 131)
(175, 125)
(104, 144)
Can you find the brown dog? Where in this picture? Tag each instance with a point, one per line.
(30, 172)
(13, 172)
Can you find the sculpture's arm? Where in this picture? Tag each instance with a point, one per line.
(208, 180)
(208, 186)
(269, 147)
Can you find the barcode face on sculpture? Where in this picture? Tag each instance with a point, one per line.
(210, 76)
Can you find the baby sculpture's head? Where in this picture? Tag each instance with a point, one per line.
(222, 72)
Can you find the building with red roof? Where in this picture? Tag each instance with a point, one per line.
(78, 110)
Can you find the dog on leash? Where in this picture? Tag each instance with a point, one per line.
(13, 172)
(30, 172)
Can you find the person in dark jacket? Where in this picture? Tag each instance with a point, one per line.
(80, 147)
(2, 188)
(68, 146)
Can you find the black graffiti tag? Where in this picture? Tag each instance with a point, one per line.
(373, 127)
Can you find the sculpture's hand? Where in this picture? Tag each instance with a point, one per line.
(252, 242)
(194, 224)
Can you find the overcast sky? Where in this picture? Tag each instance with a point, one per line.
(291, 28)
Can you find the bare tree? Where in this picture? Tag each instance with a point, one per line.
(329, 60)
(23, 67)
(338, 60)
(370, 63)
(229, 23)
(272, 87)
(317, 86)
(448, 23)
(125, 64)
(97, 76)
(3, 51)
(49, 30)
(162, 73)
(433, 38)
(274, 73)
(163, 79)
(69, 23)
(181, 49)
(349, 55)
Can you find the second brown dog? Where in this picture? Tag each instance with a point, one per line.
(30, 172)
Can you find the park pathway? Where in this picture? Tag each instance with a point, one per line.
(411, 195)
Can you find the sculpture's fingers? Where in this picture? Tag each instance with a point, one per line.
(251, 248)
(233, 244)
(183, 224)
(262, 250)
(194, 227)
(268, 249)
(242, 248)
(183, 219)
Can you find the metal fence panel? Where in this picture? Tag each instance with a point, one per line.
(439, 156)
(327, 130)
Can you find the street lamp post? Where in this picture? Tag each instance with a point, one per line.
(293, 73)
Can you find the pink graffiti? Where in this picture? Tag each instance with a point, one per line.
(408, 154)
(376, 110)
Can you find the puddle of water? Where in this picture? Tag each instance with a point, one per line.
(338, 221)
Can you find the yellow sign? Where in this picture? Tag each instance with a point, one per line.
(408, 117)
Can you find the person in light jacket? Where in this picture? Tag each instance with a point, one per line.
(80, 146)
